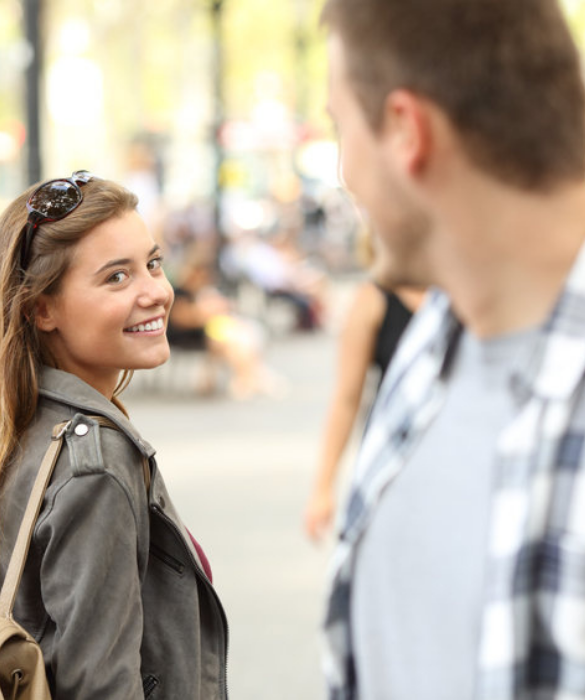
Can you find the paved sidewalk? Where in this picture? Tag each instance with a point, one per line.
(239, 474)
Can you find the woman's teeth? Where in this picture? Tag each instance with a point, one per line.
(150, 326)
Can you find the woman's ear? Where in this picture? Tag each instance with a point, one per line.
(44, 316)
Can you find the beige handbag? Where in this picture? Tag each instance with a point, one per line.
(22, 667)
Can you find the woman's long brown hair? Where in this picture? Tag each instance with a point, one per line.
(22, 353)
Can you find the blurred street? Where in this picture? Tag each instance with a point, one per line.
(239, 474)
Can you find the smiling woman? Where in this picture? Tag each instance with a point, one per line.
(116, 272)
(113, 579)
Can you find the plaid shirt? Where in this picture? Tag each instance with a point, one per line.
(532, 642)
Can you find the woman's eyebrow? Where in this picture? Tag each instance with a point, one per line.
(125, 261)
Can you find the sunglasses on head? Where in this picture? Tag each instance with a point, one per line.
(51, 201)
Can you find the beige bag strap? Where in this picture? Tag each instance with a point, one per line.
(31, 513)
(20, 551)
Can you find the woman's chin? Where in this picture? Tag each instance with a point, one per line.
(153, 360)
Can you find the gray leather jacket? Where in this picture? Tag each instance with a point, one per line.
(113, 588)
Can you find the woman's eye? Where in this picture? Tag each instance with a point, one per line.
(155, 263)
(117, 277)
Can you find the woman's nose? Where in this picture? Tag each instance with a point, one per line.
(156, 291)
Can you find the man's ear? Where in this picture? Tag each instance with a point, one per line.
(407, 129)
(44, 314)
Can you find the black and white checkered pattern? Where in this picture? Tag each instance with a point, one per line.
(532, 642)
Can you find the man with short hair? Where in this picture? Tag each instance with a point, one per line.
(460, 571)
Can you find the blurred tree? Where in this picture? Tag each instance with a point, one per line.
(262, 42)
(33, 21)
(14, 57)
(159, 63)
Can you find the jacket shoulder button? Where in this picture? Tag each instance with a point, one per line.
(81, 429)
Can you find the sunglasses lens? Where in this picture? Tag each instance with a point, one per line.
(83, 177)
(55, 199)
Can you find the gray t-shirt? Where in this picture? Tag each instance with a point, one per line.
(418, 584)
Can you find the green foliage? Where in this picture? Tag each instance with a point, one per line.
(275, 45)
(12, 61)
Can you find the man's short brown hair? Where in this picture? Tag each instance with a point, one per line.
(506, 72)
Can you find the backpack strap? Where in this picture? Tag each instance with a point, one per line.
(33, 508)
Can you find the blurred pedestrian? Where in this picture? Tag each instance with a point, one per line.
(204, 318)
(372, 329)
(459, 570)
(115, 590)
(279, 271)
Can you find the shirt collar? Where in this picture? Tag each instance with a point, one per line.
(556, 364)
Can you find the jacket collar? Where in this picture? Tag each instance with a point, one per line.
(72, 391)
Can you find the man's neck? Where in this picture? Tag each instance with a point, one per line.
(503, 255)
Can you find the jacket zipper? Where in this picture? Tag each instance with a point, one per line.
(167, 559)
(201, 574)
(148, 685)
